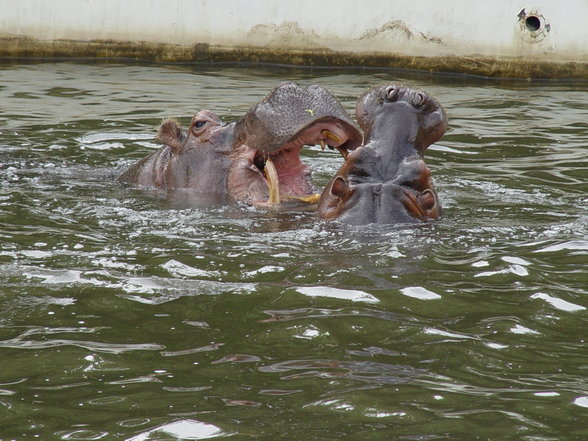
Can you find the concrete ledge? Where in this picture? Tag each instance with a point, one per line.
(501, 67)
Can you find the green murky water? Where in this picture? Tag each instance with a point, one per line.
(138, 315)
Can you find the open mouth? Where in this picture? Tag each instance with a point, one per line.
(283, 172)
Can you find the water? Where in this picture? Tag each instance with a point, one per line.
(139, 315)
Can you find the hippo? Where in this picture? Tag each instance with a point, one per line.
(386, 180)
(255, 159)
(187, 160)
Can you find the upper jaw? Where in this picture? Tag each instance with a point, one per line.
(289, 110)
(326, 132)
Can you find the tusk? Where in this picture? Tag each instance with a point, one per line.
(343, 152)
(330, 135)
(334, 137)
(323, 145)
(273, 182)
(311, 199)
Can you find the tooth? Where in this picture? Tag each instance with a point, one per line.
(328, 134)
(323, 145)
(273, 182)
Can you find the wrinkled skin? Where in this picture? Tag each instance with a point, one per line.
(386, 181)
(213, 157)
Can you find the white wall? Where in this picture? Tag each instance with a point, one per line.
(410, 27)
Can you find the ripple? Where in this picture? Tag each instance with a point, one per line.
(547, 394)
(182, 429)
(572, 245)
(451, 335)
(152, 378)
(135, 422)
(106, 401)
(113, 348)
(207, 348)
(337, 293)
(558, 303)
(518, 270)
(279, 392)
(21, 342)
(370, 372)
(247, 403)
(150, 290)
(520, 329)
(581, 401)
(61, 386)
(184, 389)
(264, 270)
(92, 138)
(312, 313)
(179, 269)
(83, 434)
(418, 292)
(238, 358)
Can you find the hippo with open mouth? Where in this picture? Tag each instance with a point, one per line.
(386, 180)
(255, 159)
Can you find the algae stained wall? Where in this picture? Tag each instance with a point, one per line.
(543, 38)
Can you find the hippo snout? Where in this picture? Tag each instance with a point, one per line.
(387, 180)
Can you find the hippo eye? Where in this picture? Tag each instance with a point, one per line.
(199, 124)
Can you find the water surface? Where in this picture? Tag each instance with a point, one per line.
(138, 314)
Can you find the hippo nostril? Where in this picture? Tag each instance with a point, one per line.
(419, 99)
(427, 200)
(392, 93)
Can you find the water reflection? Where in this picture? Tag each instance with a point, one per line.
(181, 430)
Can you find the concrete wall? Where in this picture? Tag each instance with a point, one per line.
(548, 37)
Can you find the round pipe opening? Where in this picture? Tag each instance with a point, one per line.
(533, 23)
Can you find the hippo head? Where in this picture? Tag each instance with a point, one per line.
(199, 159)
(266, 164)
(386, 180)
(196, 159)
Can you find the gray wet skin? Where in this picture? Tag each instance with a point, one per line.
(213, 157)
(197, 159)
(386, 181)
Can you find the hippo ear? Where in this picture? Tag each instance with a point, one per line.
(339, 187)
(170, 133)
